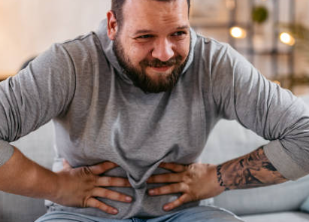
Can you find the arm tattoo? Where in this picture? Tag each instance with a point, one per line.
(251, 170)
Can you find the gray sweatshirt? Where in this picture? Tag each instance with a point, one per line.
(99, 115)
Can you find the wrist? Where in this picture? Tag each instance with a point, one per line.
(48, 185)
(220, 178)
(218, 186)
(58, 186)
(212, 181)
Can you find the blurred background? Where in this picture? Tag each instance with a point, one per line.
(272, 34)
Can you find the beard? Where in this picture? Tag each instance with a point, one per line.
(140, 78)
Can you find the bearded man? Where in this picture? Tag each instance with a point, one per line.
(133, 105)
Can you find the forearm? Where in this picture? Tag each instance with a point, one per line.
(251, 170)
(73, 187)
(21, 176)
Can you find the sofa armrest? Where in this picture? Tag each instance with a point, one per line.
(229, 140)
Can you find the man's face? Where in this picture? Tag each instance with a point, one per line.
(153, 43)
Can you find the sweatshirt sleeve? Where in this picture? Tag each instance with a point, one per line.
(242, 93)
(38, 93)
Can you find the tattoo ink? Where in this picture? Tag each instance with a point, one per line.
(219, 176)
(251, 170)
(269, 166)
(241, 163)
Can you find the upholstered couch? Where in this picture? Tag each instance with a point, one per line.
(278, 203)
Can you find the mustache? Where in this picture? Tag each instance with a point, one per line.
(158, 63)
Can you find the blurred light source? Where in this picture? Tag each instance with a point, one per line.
(287, 38)
(238, 32)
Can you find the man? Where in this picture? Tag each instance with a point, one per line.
(133, 105)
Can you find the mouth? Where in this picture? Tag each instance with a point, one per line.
(161, 68)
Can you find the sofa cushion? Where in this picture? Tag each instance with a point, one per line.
(37, 146)
(229, 140)
(16, 208)
(278, 217)
(282, 197)
(305, 205)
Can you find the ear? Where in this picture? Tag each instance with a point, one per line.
(112, 25)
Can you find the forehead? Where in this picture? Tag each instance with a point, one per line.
(152, 14)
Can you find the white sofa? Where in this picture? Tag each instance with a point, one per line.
(278, 203)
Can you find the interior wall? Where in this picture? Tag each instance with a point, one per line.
(28, 27)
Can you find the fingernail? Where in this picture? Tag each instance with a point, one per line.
(128, 199)
(115, 211)
(151, 192)
(166, 207)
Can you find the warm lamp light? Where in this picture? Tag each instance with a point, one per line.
(286, 38)
(238, 32)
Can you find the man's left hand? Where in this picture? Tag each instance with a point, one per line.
(196, 182)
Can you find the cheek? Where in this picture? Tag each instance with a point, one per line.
(183, 48)
(138, 53)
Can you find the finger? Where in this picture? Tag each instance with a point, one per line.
(66, 164)
(113, 182)
(110, 194)
(178, 202)
(102, 167)
(92, 202)
(168, 189)
(165, 178)
(178, 168)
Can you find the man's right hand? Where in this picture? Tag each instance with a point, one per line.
(79, 187)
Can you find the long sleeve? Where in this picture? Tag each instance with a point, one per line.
(34, 96)
(242, 93)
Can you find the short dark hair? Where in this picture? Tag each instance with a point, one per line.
(117, 6)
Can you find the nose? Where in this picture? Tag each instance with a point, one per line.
(163, 50)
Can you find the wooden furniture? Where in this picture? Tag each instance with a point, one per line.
(277, 61)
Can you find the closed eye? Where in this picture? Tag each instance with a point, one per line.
(144, 37)
(180, 33)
